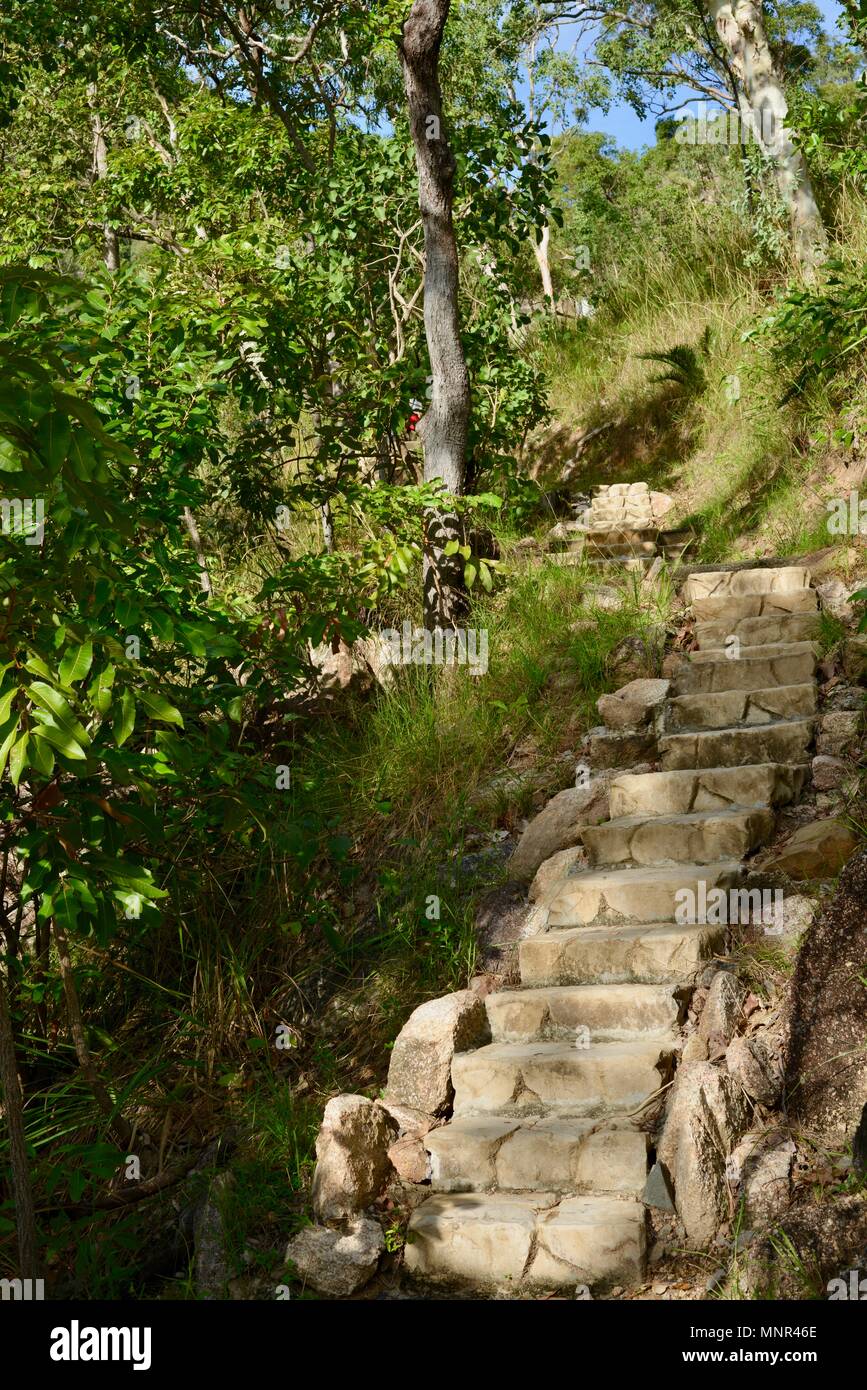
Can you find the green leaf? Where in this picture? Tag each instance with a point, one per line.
(51, 700)
(59, 736)
(123, 717)
(469, 575)
(159, 708)
(99, 690)
(8, 735)
(451, 548)
(41, 756)
(18, 759)
(76, 663)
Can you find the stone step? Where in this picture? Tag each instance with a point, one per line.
(539, 1077)
(699, 837)
(654, 952)
(561, 1012)
(773, 627)
(481, 1153)
(736, 583)
(784, 741)
(632, 895)
(526, 1240)
(732, 610)
(707, 789)
(729, 707)
(756, 668)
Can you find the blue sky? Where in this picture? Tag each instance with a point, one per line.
(624, 126)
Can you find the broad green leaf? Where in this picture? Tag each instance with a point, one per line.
(59, 736)
(159, 708)
(41, 756)
(76, 663)
(469, 575)
(18, 758)
(123, 717)
(51, 700)
(8, 735)
(99, 690)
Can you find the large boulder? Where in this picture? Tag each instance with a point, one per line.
(553, 871)
(762, 1166)
(420, 1071)
(352, 1163)
(337, 1263)
(559, 826)
(813, 1248)
(635, 705)
(752, 1066)
(707, 1115)
(825, 1057)
(838, 732)
(817, 850)
(722, 1010)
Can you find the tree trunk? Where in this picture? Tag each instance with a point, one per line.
(22, 1190)
(111, 254)
(443, 427)
(540, 249)
(201, 559)
(741, 29)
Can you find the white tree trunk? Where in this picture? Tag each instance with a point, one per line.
(443, 427)
(740, 26)
(544, 264)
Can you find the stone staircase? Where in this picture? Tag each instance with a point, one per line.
(538, 1178)
(623, 524)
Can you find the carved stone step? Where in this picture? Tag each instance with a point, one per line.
(562, 1012)
(729, 707)
(726, 609)
(655, 952)
(756, 668)
(706, 789)
(772, 627)
(700, 837)
(526, 1240)
(633, 895)
(480, 1153)
(786, 741)
(541, 1077)
(736, 583)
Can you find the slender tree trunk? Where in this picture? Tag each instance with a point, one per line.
(443, 427)
(741, 29)
(195, 536)
(111, 254)
(13, 1106)
(540, 249)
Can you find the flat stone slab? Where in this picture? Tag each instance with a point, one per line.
(564, 1011)
(727, 708)
(712, 788)
(725, 609)
(756, 631)
(756, 668)
(735, 583)
(700, 837)
(632, 895)
(525, 1240)
(785, 741)
(481, 1153)
(533, 1078)
(650, 952)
